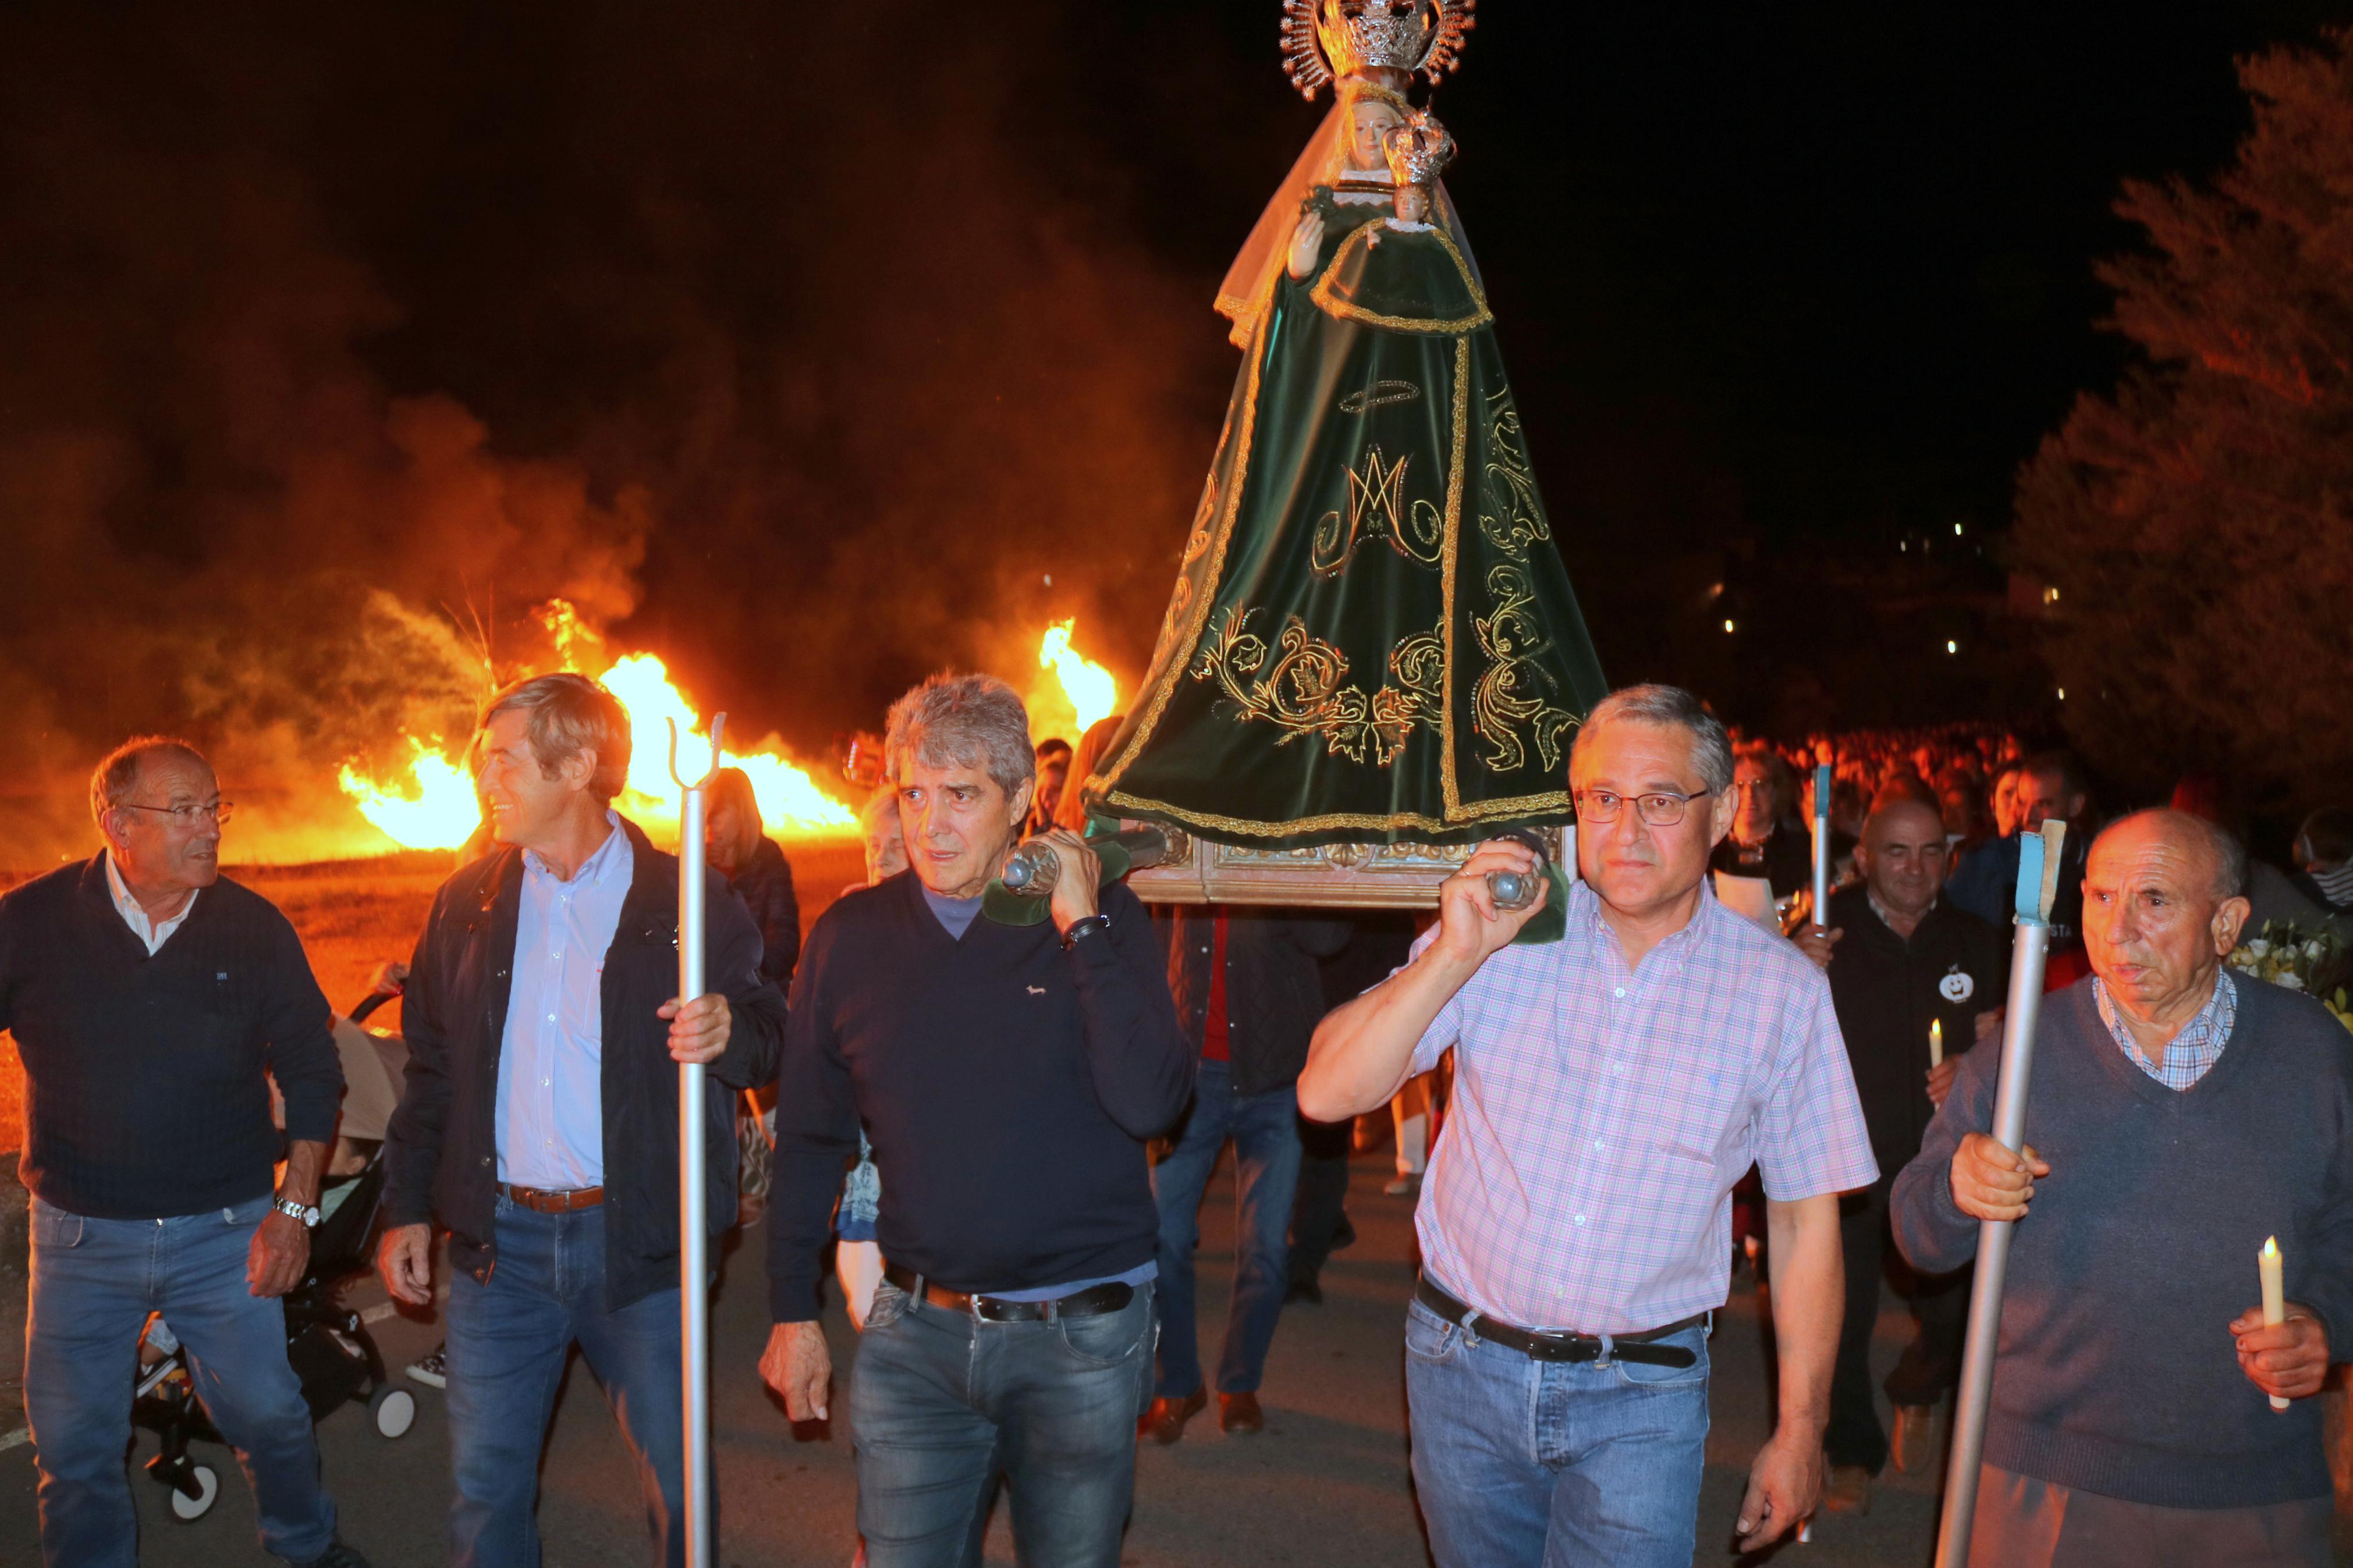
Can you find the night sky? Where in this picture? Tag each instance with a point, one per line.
(804, 346)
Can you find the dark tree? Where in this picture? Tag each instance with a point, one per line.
(2198, 525)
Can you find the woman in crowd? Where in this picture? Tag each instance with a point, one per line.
(736, 842)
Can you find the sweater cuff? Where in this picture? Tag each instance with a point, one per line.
(310, 1117)
(793, 1296)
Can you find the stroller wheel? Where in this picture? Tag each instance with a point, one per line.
(188, 1510)
(395, 1410)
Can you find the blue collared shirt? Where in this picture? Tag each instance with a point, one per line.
(2189, 1055)
(550, 1110)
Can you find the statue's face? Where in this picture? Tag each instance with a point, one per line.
(1369, 120)
(1413, 203)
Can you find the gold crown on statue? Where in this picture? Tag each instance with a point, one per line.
(1324, 38)
(1418, 150)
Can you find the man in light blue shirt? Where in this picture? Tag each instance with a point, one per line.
(540, 1118)
(550, 1130)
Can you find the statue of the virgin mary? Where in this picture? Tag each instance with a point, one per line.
(1372, 637)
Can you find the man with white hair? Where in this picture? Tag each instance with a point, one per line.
(1009, 1077)
(153, 1001)
(1610, 1089)
(2176, 1119)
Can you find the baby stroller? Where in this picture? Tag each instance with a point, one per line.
(332, 1351)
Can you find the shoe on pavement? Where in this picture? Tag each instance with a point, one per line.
(1240, 1413)
(337, 1556)
(1407, 1186)
(432, 1371)
(1913, 1449)
(1164, 1422)
(1307, 1288)
(1849, 1491)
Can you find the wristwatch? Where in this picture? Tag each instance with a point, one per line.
(306, 1213)
(1085, 925)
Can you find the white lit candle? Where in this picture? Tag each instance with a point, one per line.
(1935, 1042)
(2274, 1295)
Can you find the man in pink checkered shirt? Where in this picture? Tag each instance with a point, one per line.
(1610, 1088)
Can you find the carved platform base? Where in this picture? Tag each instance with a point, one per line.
(1336, 876)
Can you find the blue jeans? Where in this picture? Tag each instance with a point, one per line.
(1553, 1463)
(1265, 1131)
(94, 1282)
(508, 1340)
(941, 1404)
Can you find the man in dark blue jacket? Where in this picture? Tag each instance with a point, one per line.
(1007, 1076)
(540, 1120)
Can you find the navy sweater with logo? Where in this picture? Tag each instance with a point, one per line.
(147, 1078)
(2114, 1370)
(1008, 1085)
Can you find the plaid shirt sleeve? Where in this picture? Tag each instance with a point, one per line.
(1447, 1027)
(1810, 1137)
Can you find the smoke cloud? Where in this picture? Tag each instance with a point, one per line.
(338, 344)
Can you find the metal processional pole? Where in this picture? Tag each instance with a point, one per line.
(1822, 847)
(2038, 882)
(693, 1235)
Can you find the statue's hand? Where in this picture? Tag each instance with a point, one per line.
(1306, 244)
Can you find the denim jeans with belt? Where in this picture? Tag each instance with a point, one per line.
(942, 1403)
(1265, 1131)
(1520, 1463)
(94, 1282)
(508, 1340)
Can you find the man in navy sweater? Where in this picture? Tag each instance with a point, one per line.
(2177, 1118)
(153, 1002)
(1008, 1076)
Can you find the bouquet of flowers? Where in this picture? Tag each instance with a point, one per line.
(2311, 961)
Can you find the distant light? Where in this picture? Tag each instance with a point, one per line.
(1952, 647)
(1715, 591)
(2063, 694)
(1050, 579)
(1956, 529)
(1903, 544)
(1727, 625)
(2050, 596)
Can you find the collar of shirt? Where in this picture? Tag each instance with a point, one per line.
(151, 935)
(1585, 909)
(2193, 1053)
(611, 856)
(1888, 918)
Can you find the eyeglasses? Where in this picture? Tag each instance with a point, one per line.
(1660, 808)
(187, 815)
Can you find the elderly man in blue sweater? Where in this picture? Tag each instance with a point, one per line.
(2177, 1118)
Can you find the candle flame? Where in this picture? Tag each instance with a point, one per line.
(2271, 1247)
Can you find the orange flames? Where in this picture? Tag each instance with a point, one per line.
(434, 806)
(430, 804)
(1079, 693)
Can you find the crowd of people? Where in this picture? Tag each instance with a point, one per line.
(999, 1135)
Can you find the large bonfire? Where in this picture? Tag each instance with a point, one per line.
(431, 804)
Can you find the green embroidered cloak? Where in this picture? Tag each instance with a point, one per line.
(1372, 637)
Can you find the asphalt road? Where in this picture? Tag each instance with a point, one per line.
(1326, 1483)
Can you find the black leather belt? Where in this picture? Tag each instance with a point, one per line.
(1562, 1347)
(1092, 1302)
